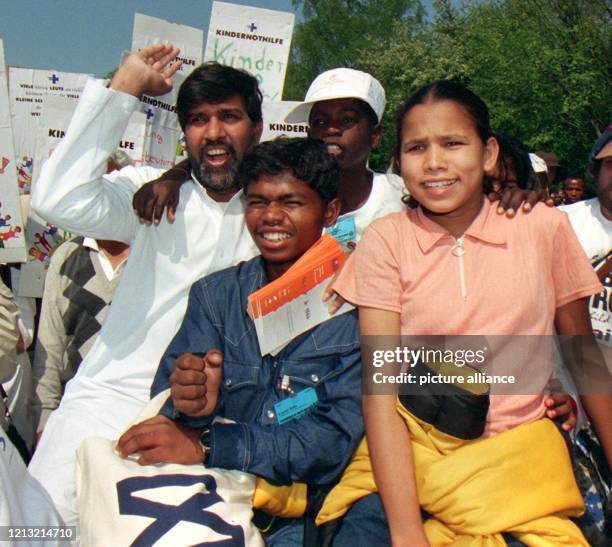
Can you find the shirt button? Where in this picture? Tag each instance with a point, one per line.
(314, 377)
(228, 382)
(270, 414)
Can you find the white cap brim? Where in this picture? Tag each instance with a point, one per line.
(301, 113)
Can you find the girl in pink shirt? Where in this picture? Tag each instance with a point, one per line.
(454, 267)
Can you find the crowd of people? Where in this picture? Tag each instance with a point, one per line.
(149, 300)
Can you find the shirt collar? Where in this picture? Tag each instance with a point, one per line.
(91, 243)
(484, 227)
(256, 279)
(238, 196)
(260, 279)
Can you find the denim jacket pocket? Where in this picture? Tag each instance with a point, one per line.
(317, 358)
(310, 373)
(240, 387)
(237, 375)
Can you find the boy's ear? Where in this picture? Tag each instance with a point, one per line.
(376, 136)
(332, 212)
(491, 154)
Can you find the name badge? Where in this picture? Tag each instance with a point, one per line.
(344, 231)
(294, 407)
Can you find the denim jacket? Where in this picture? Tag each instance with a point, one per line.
(313, 448)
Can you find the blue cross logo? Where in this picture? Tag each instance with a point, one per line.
(54, 79)
(252, 27)
(165, 517)
(150, 114)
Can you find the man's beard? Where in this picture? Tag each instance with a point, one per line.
(215, 179)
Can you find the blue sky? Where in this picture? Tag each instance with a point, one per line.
(89, 35)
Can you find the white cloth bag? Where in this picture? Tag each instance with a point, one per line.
(121, 502)
(24, 502)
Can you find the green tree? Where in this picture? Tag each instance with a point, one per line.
(542, 66)
(409, 57)
(544, 69)
(334, 31)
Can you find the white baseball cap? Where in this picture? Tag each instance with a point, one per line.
(537, 163)
(340, 83)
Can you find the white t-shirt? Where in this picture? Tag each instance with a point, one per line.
(385, 197)
(594, 232)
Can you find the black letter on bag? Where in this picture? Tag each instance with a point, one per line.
(168, 516)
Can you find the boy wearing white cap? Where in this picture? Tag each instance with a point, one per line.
(343, 108)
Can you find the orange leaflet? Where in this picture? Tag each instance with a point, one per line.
(316, 265)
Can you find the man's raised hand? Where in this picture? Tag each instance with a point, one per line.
(195, 383)
(149, 71)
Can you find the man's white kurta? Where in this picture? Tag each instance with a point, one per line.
(113, 381)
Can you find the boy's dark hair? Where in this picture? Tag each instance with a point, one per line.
(447, 90)
(214, 83)
(307, 159)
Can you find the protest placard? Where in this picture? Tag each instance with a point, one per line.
(274, 124)
(43, 238)
(163, 131)
(27, 89)
(254, 39)
(12, 241)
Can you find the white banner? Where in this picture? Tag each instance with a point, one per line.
(274, 124)
(132, 142)
(27, 89)
(254, 39)
(163, 130)
(12, 240)
(42, 237)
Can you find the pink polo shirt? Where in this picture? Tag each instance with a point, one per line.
(513, 276)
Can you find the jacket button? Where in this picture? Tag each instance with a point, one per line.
(314, 377)
(228, 382)
(270, 414)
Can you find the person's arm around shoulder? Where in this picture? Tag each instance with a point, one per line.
(161, 194)
(72, 191)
